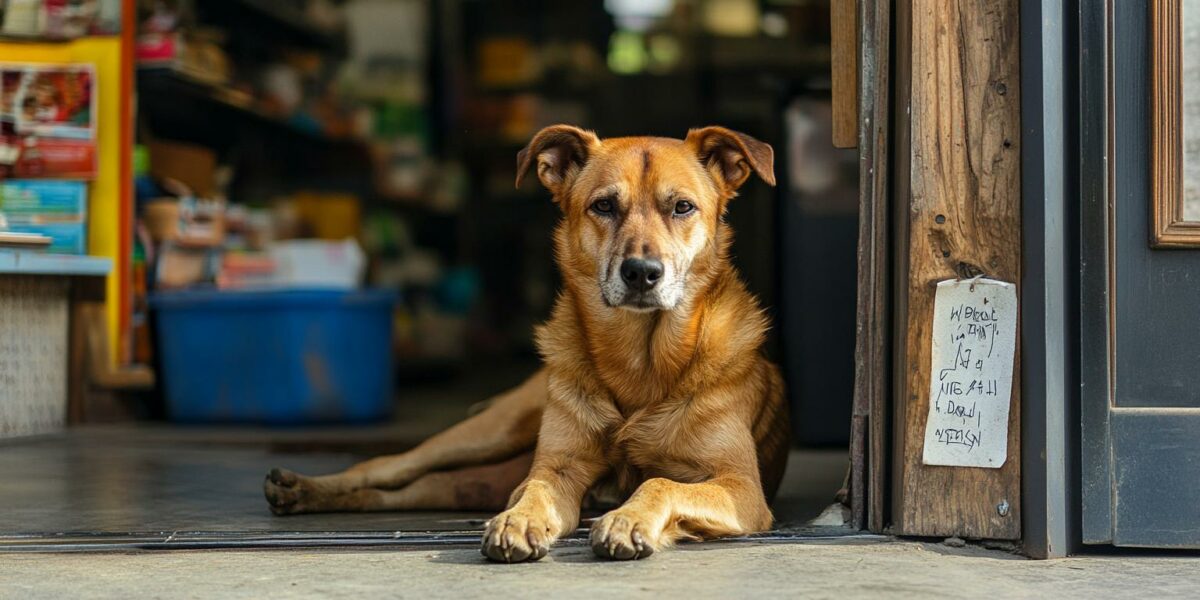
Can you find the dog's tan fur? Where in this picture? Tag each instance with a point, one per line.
(666, 400)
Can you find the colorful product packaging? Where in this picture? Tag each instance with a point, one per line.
(57, 209)
(57, 158)
(47, 121)
(48, 100)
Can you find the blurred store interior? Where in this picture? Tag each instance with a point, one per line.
(356, 159)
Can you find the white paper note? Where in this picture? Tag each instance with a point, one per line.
(970, 388)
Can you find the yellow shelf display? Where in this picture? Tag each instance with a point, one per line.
(110, 194)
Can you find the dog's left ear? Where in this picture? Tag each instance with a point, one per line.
(559, 151)
(730, 156)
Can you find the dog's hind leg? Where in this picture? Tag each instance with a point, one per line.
(481, 488)
(506, 428)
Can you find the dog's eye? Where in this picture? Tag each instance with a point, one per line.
(684, 207)
(603, 206)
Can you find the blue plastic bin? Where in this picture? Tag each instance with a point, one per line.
(276, 357)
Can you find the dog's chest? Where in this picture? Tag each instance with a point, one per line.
(646, 446)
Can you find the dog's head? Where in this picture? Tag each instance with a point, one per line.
(642, 215)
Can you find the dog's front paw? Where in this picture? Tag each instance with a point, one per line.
(514, 536)
(622, 536)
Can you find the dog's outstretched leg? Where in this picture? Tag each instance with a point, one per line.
(506, 428)
(480, 488)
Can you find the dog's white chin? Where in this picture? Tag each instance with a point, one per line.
(640, 309)
(664, 297)
(645, 304)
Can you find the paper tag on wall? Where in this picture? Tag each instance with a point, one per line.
(971, 374)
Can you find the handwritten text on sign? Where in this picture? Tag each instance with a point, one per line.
(970, 388)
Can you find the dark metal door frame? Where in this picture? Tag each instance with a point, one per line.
(1095, 237)
(1049, 314)
(1139, 450)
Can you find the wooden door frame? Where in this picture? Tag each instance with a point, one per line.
(870, 425)
(1051, 70)
(963, 215)
(1169, 229)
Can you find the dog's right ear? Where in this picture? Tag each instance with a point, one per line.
(559, 151)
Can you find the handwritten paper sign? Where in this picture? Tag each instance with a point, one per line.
(970, 388)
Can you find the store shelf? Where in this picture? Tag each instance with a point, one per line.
(411, 206)
(552, 86)
(281, 20)
(23, 262)
(164, 84)
(767, 55)
(34, 39)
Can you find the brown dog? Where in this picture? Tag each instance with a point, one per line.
(654, 383)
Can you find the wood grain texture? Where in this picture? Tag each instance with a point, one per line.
(844, 76)
(871, 362)
(1168, 229)
(87, 294)
(963, 220)
(76, 365)
(901, 171)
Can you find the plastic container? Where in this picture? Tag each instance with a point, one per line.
(276, 357)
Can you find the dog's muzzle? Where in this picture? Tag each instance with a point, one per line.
(638, 284)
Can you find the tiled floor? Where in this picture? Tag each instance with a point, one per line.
(128, 480)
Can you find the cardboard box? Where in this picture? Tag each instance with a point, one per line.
(318, 264)
(193, 165)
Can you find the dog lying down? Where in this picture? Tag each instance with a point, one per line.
(654, 389)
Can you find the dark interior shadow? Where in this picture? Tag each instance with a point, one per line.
(573, 553)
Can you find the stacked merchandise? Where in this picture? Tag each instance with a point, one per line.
(349, 73)
(184, 46)
(47, 151)
(385, 77)
(261, 314)
(193, 236)
(59, 19)
(318, 114)
(54, 209)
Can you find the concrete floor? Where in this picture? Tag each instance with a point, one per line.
(172, 480)
(715, 570)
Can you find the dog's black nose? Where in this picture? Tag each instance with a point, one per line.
(641, 274)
